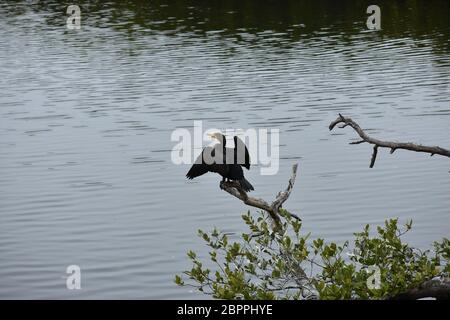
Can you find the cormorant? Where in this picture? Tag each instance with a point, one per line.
(227, 162)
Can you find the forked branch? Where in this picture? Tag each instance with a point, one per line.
(385, 144)
(234, 188)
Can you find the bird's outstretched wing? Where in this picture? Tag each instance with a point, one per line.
(242, 157)
(200, 167)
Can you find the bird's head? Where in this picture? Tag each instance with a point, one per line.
(217, 136)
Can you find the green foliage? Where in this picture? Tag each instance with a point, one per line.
(284, 264)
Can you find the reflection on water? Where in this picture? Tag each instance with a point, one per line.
(86, 117)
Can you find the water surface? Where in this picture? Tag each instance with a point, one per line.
(86, 116)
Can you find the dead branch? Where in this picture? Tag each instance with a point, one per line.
(385, 144)
(434, 288)
(234, 188)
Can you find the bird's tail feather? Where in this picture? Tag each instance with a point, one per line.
(245, 185)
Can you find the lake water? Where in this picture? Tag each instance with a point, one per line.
(86, 176)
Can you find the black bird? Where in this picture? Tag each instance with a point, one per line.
(227, 162)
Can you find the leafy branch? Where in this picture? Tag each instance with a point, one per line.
(286, 264)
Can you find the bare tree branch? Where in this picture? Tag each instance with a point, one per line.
(385, 144)
(434, 288)
(283, 196)
(234, 188)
